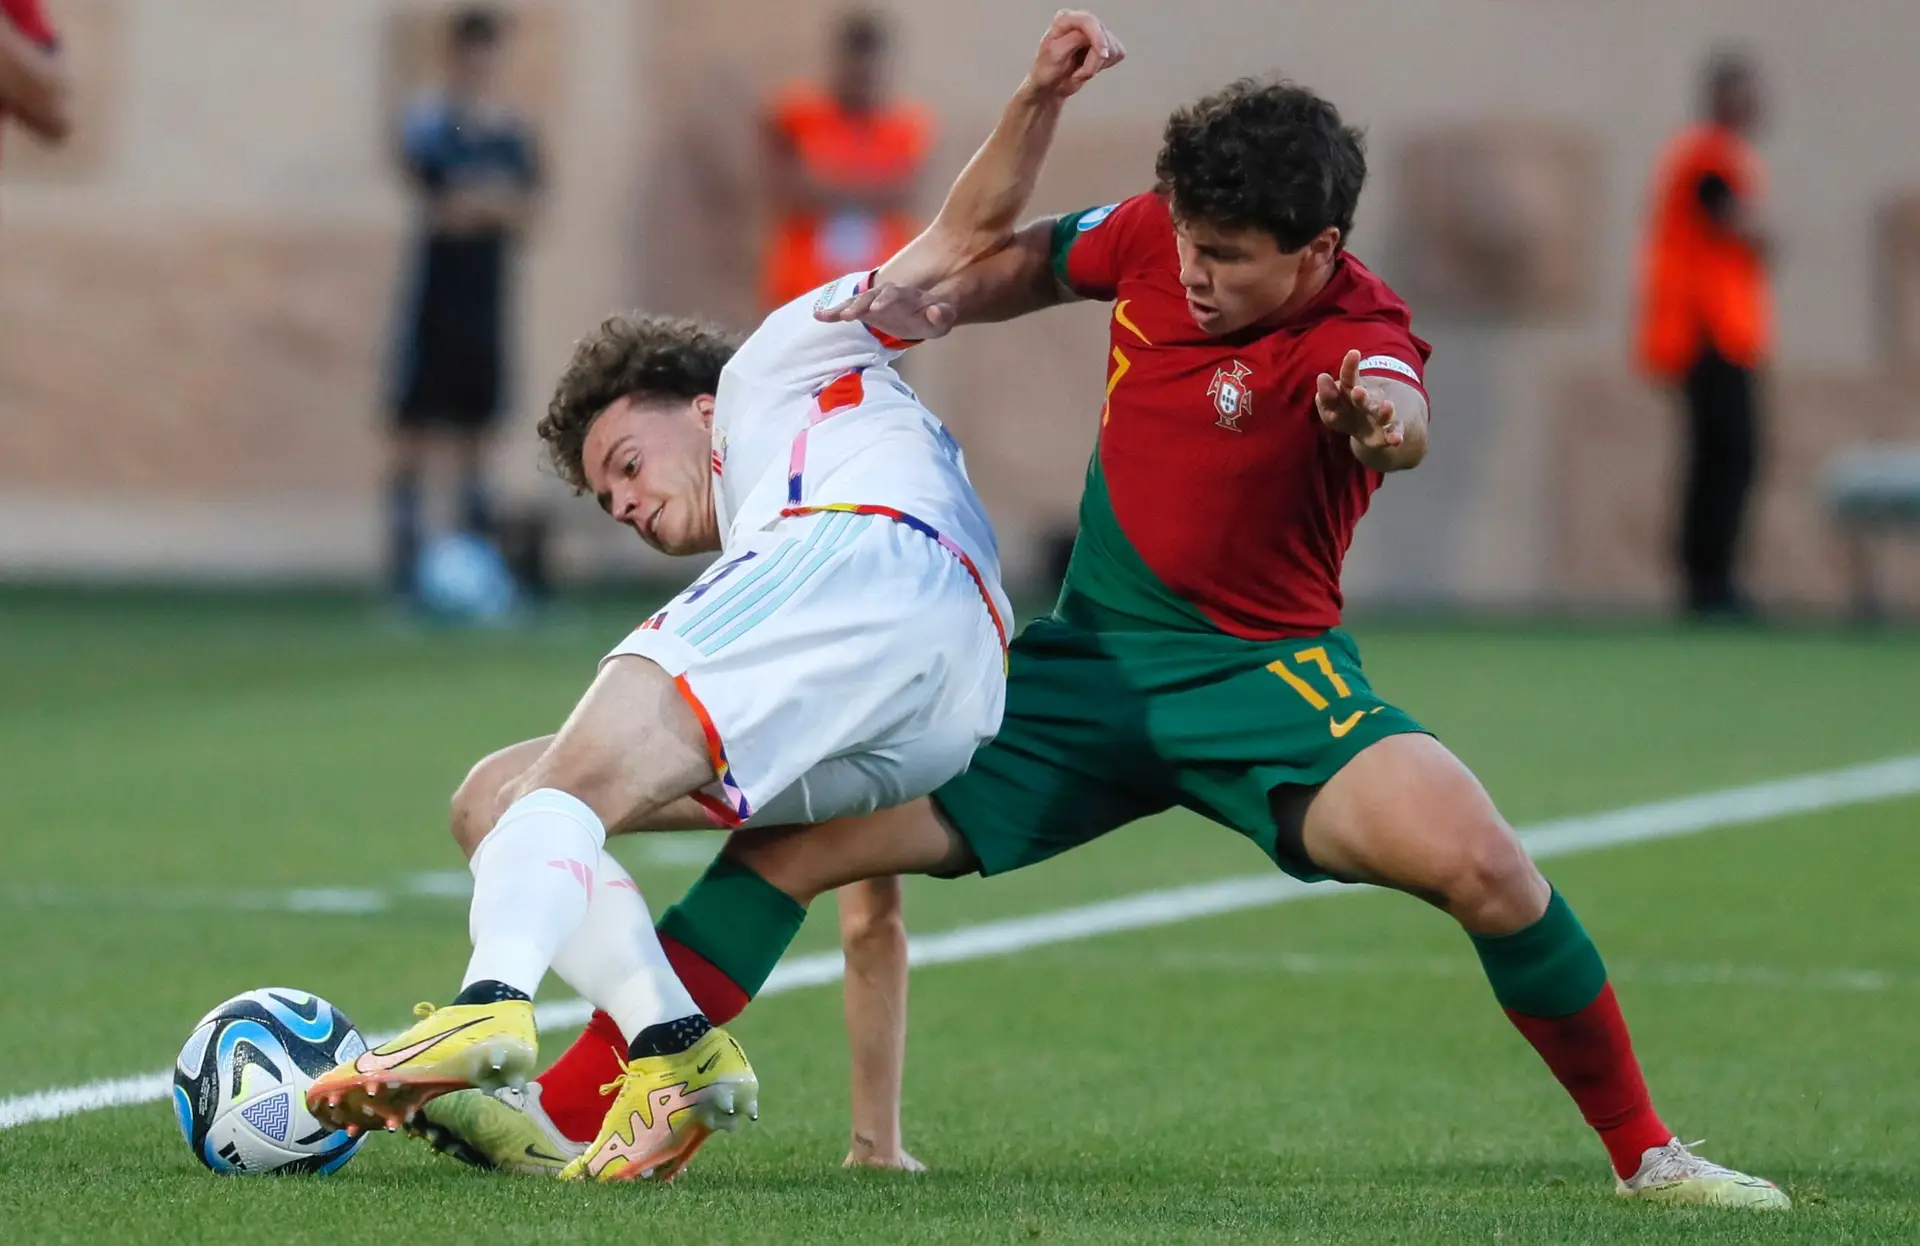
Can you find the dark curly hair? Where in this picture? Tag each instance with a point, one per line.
(1267, 155)
(635, 356)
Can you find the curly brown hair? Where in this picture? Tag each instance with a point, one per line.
(1268, 155)
(632, 356)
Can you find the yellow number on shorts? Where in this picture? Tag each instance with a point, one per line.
(1318, 657)
(1315, 656)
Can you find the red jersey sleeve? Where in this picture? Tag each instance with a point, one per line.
(1092, 248)
(30, 19)
(1387, 349)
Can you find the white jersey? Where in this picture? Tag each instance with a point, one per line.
(847, 651)
(812, 415)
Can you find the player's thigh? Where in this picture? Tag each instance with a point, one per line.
(1406, 813)
(482, 797)
(838, 664)
(631, 746)
(1251, 729)
(1069, 763)
(949, 721)
(805, 861)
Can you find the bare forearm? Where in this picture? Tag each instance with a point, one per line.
(993, 191)
(33, 85)
(971, 264)
(1012, 281)
(874, 939)
(986, 202)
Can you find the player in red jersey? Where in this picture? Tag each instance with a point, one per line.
(33, 80)
(1261, 383)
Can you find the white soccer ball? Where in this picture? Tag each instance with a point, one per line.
(240, 1083)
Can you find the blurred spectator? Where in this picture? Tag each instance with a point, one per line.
(33, 82)
(1705, 321)
(845, 160)
(473, 166)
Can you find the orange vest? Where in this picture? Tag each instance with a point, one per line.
(1699, 286)
(858, 151)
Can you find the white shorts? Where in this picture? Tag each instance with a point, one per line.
(840, 663)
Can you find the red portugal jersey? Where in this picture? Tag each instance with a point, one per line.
(1216, 499)
(27, 17)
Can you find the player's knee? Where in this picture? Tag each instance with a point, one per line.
(482, 797)
(1494, 887)
(772, 855)
(872, 918)
(471, 812)
(872, 934)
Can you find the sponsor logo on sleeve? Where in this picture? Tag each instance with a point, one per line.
(839, 291)
(1092, 219)
(1387, 363)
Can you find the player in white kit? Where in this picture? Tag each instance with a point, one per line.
(847, 649)
(845, 653)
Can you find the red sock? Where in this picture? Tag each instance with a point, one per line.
(718, 996)
(1591, 1053)
(570, 1090)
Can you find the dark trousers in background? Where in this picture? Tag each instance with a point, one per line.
(1722, 454)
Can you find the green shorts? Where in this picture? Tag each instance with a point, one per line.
(1104, 727)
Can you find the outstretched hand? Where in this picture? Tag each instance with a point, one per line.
(1345, 406)
(903, 312)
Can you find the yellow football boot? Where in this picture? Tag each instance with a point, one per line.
(503, 1130)
(484, 1046)
(667, 1107)
(1674, 1174)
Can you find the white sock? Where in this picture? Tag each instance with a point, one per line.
(532, 877)
(615, 960)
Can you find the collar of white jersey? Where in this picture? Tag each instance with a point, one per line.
(719, 461)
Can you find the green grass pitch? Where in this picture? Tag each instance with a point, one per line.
(1331, 1070)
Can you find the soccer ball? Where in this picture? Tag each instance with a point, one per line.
(240, 1083)
(463, 578)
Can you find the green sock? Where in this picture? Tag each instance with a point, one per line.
(737, 920)
(1549, 969)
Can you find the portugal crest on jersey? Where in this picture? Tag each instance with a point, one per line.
(1231, 395)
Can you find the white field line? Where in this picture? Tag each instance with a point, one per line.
(1668, 819)
(1279, 962)
(672, 849)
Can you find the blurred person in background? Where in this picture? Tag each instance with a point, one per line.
(34, 89)
(1705, 321)
(472, 165)
(845, 161)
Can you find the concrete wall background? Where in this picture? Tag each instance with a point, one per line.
(193, 301)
